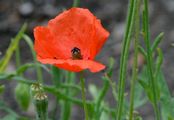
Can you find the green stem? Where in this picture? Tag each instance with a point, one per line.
(38, 69)
(17, 55)
(124, 56)
(149, 59)
(113, 87)
(66, 113)
(76, 3)
(75, 87)
(135, 64)
(82, 82)
(59, 94)
(12, 47)
(101, 96)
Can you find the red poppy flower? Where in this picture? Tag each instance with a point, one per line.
(71, 41)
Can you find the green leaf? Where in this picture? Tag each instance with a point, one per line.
(167, 109)
(159, 62)
(138, 118)
(93, 91)
(142, 51)
(26, 66)
(111, 65)
(164, 89)
(143, 81)
(157, 41)
(23, 68)
(4, 76)
(30, 44)
(22, 95)
(38, 69)
(104, 116)
(166, 100)
(13, 45)
(139, 98)
(9, 117)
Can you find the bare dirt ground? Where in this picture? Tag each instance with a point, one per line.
(13, 13)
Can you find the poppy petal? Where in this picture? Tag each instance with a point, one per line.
(74, 28)
(44, 44)
(101, 36)
(74, 65)
(78, 27)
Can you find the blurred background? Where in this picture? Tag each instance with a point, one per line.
(13, 13)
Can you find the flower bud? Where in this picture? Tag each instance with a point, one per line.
(22, 95)
(41, 105)
(35, 88)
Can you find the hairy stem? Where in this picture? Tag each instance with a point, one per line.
(82, 82)
(135, 64)
(149, 59)
(124, 56)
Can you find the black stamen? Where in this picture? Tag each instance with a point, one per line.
(75, 50)
(76, 53)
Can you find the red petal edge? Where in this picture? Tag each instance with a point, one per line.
(74, 65)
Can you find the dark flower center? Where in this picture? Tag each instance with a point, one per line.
(76, 53)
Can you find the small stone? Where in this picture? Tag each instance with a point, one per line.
(172, 44)
(169, 5)
(26, 9)
(50, 10)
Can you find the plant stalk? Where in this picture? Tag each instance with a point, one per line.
(76, 3)
(66, 107)
(135, 64)
(38, 69)
(124, 56)
(82, 82)
(149, 59)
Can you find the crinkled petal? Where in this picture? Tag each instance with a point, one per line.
(45, 46)
(78, 27)
(101, 35)
(74, 65)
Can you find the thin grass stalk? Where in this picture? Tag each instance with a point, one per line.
(66, 113)
(13, 45)
(76, 3)
(82, 82)
(17, 56)
(149, 59)
(124, 56)
(135, 64)
(38, 69)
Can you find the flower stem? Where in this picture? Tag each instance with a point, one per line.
(38, 69)
(124, 56)
(76, 3)
(135, 64)
(82, 82)
(101, 96)
(149, 59)
(17, 55)
(12, 47)
(66, 108)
